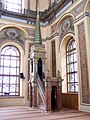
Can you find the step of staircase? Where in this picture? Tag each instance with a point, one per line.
(42, 107)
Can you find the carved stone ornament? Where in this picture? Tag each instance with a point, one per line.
(66, 26)
(12, 33)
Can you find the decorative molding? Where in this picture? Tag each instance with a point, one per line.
(82, 16)
(53, 28)
(29, 38)
(44, 39)
(12, 34)
(79, 8)
(51, 37)
(83, 64)
(30, 31)
(66, 26)
(1, 24)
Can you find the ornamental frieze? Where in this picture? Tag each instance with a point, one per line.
(13, 35)
(11, 32)
(66, 26)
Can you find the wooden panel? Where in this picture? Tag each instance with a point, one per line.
(70, 100)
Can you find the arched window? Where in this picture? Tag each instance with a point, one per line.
(71, 62)
(12, 5)
(9, 71)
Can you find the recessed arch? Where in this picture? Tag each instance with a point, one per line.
(87, 6)
(64, 41)
(17, 27)
(10, 69)
(14, 44)
(63, 17)
(62, 49)
(21, 50)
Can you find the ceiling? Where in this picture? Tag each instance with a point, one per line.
(43, 4)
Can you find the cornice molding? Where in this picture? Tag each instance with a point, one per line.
(82, 16)
(51, 37)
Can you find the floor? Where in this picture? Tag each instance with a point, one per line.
(26, 113)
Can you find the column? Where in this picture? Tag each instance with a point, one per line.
(28, 4)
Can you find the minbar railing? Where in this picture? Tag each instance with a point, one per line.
(41, 89)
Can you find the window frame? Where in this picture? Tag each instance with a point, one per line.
(10, 75)
(7, 5)
(68, 64)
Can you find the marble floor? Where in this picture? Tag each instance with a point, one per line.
(27, 113)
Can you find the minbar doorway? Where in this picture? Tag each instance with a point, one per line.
(54, 98)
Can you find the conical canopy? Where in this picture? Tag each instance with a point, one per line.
(37, 37)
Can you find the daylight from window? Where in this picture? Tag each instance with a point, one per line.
(9, 71)
(12, 5)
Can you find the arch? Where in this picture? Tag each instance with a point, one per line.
(62, 49)
(11, 63)
(14, 44)
(64, 40)
(64, 17)
(17, 27)
(87, 6)
(21, 59)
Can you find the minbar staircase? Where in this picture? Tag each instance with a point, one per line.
(41, 94)
(46, 95)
